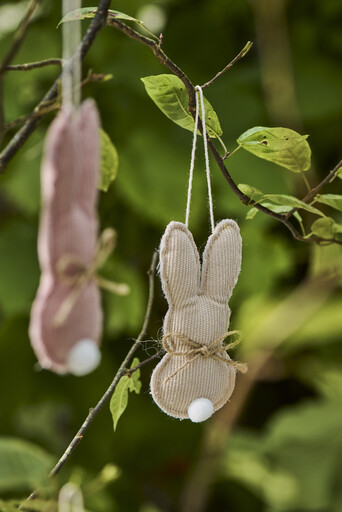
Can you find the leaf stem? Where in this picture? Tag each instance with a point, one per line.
(229, 154)
(222, 144)
(306, 181)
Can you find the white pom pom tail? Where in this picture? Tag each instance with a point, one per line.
(200, 410)
(84, 357)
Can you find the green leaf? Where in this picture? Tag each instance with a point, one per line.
(135, 382)
(294, 202)
(282, 146)
(119, 399)
(339, 173)
(285, 202)
(326, 228)
(251, 213)
(89, 12)
(254, 193)
(22, 465)
(274, 208)
(109, 161)
(333, 200)
(169, 94)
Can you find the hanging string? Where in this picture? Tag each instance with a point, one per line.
(192, 162)
(71, 76)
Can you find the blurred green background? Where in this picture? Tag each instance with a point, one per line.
(283, 452)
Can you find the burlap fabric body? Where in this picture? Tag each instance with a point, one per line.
(68, 227)
(198, 310)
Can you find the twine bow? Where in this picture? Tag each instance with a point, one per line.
(215, 350)
(75, 273)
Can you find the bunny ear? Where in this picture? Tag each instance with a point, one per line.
(179, 264)
(58, 164)
(222, 261)
(88, 155)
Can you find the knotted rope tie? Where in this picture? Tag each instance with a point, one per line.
(74, 272)
(215, 350)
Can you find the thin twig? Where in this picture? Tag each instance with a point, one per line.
(22, 119)
(133, 34)
(21, 136)
(121, 371)
(143, 363)
(16, 43)
(239, 56)
(94, 411)
(34, 65)
(19, 35)
(329, 177)
(158, 52)
(314, 191)
(51, 105)
(31, 124)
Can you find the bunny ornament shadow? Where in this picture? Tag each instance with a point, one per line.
(196, 376)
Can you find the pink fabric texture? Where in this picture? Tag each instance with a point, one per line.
(69, 227)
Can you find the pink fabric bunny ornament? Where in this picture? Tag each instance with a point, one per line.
(68, 228)
(196, 377)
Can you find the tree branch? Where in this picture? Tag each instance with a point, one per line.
(17, 40)
(121, 371)
(34, 65)
(19, 35)
(239, 56)
(46, 108)
(314, 191)
(155, 46)
(23, 134)
(158, 52)
(130, 371)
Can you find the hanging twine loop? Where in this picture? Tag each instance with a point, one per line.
(216, 350)
(72, 271)
(192, 162)
(71, 71)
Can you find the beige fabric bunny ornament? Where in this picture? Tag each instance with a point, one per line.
(196, 376)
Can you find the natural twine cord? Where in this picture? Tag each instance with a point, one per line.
(192, 162)
(82, 275)
(215, 350)
(71, 76)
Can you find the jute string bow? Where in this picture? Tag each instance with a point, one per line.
(73, 272)
(215, 350)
